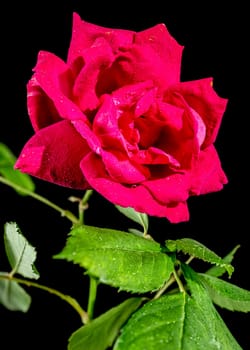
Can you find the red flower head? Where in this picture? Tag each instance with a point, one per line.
(115, 117)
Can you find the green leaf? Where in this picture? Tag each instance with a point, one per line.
(14, 297)
(204, 317)
(198, 250)
(20, 253)
(225, 294)
(100, 333)
(139, 218)
(156, 325)
(7, 161)
(177, 322)
(218, 271)
(118, 258)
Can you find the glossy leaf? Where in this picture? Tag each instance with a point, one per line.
(100, 333)
(118, 258)
(206, 319)
(177, 322)
(218, 271)
(198, 250)
(225, 294)
(20, 253)
(13, 296)
(156, 325)
(7, 161)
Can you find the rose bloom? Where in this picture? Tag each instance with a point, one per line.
(116, 118)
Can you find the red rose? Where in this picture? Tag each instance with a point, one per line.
(116, 118)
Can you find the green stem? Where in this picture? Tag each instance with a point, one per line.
(71, 301)
(83, 205)
(70, 216)
(178, 280)
(93, 283)
(172, 279)
(165, 287)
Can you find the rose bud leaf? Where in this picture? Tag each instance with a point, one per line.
(13, 296)
(132, 214)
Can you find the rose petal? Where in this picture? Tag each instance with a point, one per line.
(84, 35)
(154, 55)
(177, 213)
(85, 131)
(157, 131)
(200, 95)
(56, 79)
(208, 175)
(166, 48)
(98, 57)
(154, 155)
(127, 96)
(54, 154)
(171, 189)
(41, 109)
(150, 130)
(201, 127)
(145, 102)
(138, 63)
(105, 126)
(171, 115)
(129, 132)
(193, 120)
(182, 144)
(120, 168)
(137, 197)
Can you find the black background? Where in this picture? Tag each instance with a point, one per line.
(215, 43)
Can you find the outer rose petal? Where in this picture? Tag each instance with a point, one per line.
(137, 197)
(84, 35)
(56, 79)
(171, 189)
(41, 109)
(166, 47)
(54, 154)
(201, 96)
(208, 175)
